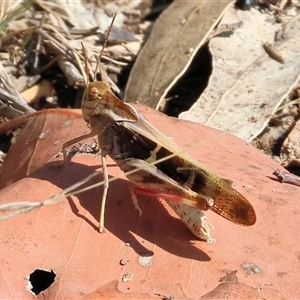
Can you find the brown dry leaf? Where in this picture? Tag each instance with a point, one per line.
(41, 139)
(175, 39)
(64, 237)
(247, 86)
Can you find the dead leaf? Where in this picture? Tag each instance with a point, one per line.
(40, 140)
(247, 86)
(65, 238)
(177, 35)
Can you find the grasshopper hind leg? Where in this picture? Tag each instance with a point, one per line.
(192, 217)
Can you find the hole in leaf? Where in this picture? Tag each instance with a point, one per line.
(40, 280)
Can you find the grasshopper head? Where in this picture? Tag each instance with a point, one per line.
(92, 102)
(99, 99)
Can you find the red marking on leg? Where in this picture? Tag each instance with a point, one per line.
(154, 193)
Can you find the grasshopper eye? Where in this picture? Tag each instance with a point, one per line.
(93, 93)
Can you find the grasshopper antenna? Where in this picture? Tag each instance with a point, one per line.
(104, 44)
(99, 57)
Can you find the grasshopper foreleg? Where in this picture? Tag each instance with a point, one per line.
(70, 143)
(105, 173)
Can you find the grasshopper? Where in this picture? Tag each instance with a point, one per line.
(156, 165)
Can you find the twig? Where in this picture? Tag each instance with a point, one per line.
(286, 177)
(71, 72)
(25, 207)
